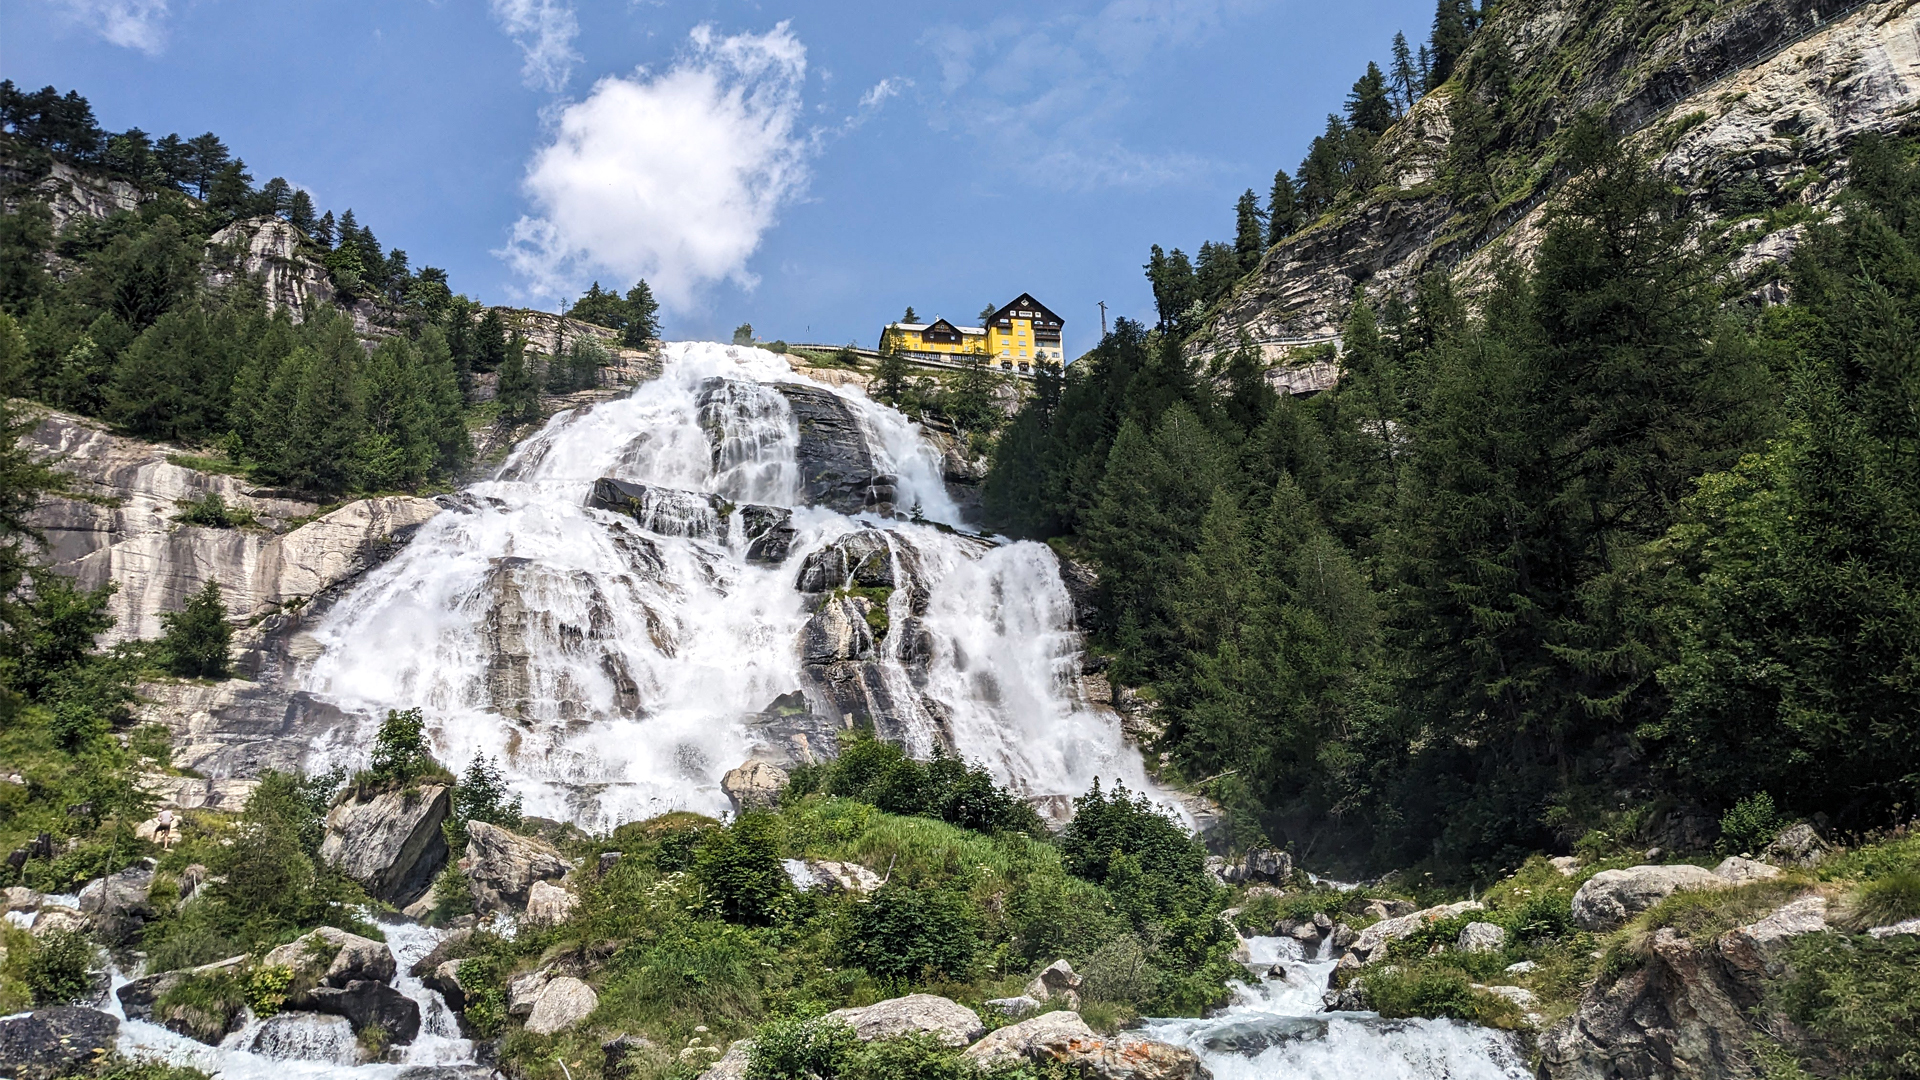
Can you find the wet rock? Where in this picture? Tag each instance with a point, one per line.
(1797, 845)
(1482, 937)
(1349, 998)
(788, 732)
(563, 1002)
(53, 918)
(549, 904)
(442, 951)
(754, 785)
(117, 904)
(698, 515)
(307, 1036)
(837, 470)
(334, 958)
(390, 842)
(838, 632)
(1249, 1037)
(52, 1043)
(830, 876)
(450, 1072)
(860, 558)
(1611, 897)
(768, 532)
(1740, 871)
(1056, 982)
(1040, 1039)
(444, 980)
(367, 1004)
(501, 867)
(139, 1000)
(951, 1023)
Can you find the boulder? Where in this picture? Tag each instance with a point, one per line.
(1753, 953)
(951, 1023)
(754, 785)
(1881, 933)
(390, 842)
(1740, 871)
(52, 1043)
(1482, 937)
(444, 980)
(334, 958)
(860, 558)
(1567, 865)
(1015, 1008)
(733, 1065)
(1371, 944)
(523, 990)
(442, 951)
(1797, 845)
(139, 1000)
(549, 904)
(117, 904)
(1057, 982)
(563, 1002)
(19, 898)
(367, 1004)
(1611, 897)
(1349, 998)
(307, 1036)
(1043, 1038)
(501, 867)
(825, 874)
(1388, 909)
(1269, 865)
(52, 918)
(1672, 1016)
(838, 632)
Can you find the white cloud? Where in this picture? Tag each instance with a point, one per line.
(674, 176)
(882, 90)
(544, 30)
(1065, 83)
(133, 24)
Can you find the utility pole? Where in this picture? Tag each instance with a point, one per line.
(1103, 318)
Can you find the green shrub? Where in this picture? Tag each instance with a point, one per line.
(57, 969)
(1751, 824)
(205, 1004)
(801, 1049)
(266, 989)
(945, 788)
(1883, 901)
(1119, 971)
(212, 511)
(902, 933)
(1437, 991)
(740, 868)
(1859, 1000)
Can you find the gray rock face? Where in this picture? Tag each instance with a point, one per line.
(830, 876)
(1048, 1036)
(117, 904)
(948, 1021)
(334, 958)
(562, 1003)
(549, 904)
(754, 785)
(1479, 937)
(1611, 897)
(501, 867)
(52, 1043)
(367, 1004)
(838, 633)
(837, 470)
(1752, 953)
(1798, 845)
(390, 842)
(767, 530)
(861, 558)
(1674, 1016)
(1268, 866)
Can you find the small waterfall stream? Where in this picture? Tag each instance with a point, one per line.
(612, 665)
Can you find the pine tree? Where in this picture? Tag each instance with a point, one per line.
(643, 317)
(600, 307)
(1369, 106)
(910, 317)
(300, 212)
(1407, 82)
(1174, 287)
(1283, 209)
(325, 421)
(517, 392)
(1250, 231)
(890, 378)
(490, 341)
(197, 637)
(324, 231)
(444, 406)
(1453, 23)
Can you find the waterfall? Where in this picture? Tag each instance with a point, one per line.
(619, 664)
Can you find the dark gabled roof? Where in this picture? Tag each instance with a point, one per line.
(1026, 302)
(942, 326)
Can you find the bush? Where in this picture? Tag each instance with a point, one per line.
(740, 868)
(57, 969)
(400, 753)
(481, 795)
(197, 637)
(946, 788)
(1751, 824)
(1118, 971)
(1884, 901)
(212, 511)
(1859, 1001)
(1434, 992)
(903, 934)
(801, 1049)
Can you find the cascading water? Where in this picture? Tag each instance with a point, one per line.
(1275, 1028)
(611, 662)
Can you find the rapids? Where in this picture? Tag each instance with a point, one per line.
(611, 669)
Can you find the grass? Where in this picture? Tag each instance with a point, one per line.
(222, 465)
(204, 1004)
(1703, 915)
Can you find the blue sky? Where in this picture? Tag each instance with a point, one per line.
(810, 168)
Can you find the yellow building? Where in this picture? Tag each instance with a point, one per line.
(1015, 338)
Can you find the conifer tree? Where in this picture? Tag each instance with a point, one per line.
(643, 317)
(517, 392)
(323, 232)
(325, 422)
(197, 636)
(300, 212)
(1283, 209)
(890, 378)
(1453, 23)
(1369, 106)
(1405, 79)
(490, 341)
(1250, 231)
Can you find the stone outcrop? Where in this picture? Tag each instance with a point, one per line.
(549, 904)
(766, 531)
(1611, 897)
(837, 470)
(830, 876)
(754, 785)
(563, 1002)
(1063, 1038)
(390, 841)
(1752, 954)
(335, 958)
(367, 1004)
(52, 1043)
(140, 1000)
(117, 905)
(501, 867)
(951, 1023)
(861, 558)
(1371, 944)
(1798, 845)
(289, 270)
(1268, 866)
(1042, 1038)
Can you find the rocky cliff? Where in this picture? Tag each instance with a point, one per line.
(1748, 104)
